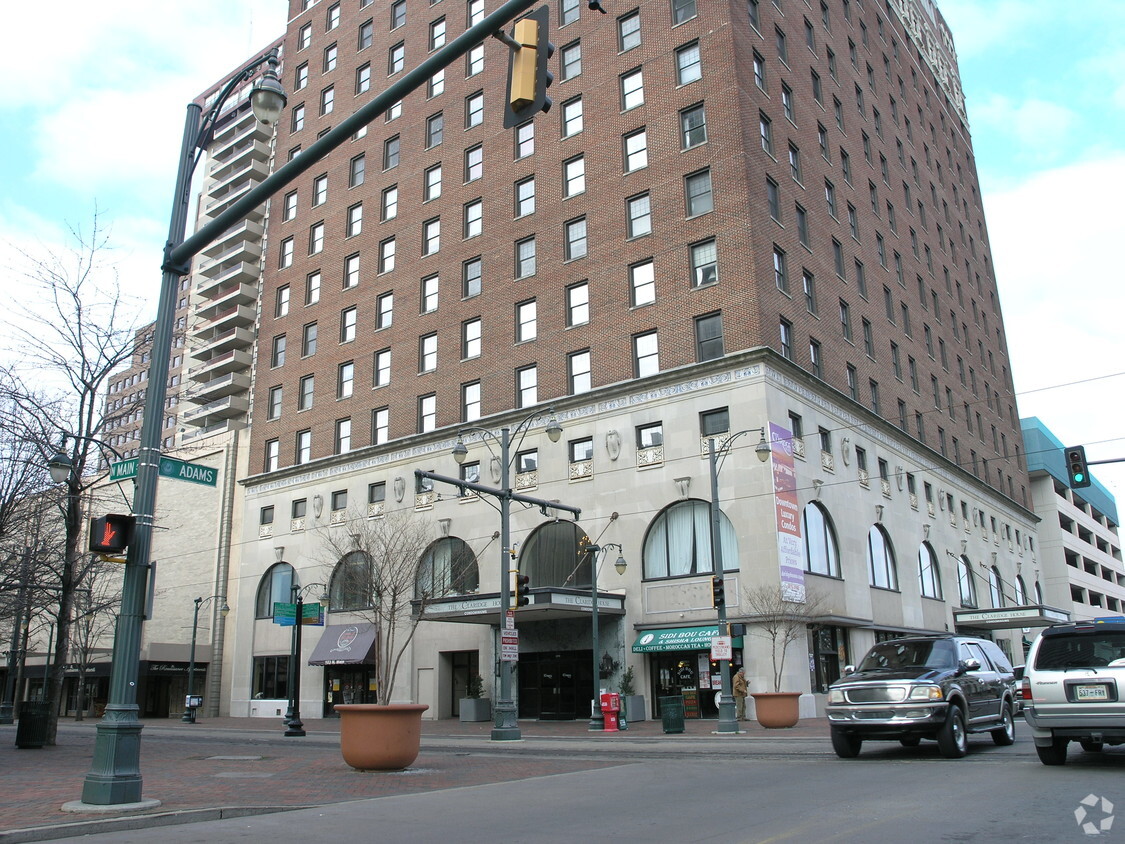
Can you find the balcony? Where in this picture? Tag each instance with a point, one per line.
(240, 315)
(245, 230)
(219, 204)
(225, 385)
(224, 408)
(230, 133)
(240, 272)
(252, 172)
(237, 294)
(235, 360)
(242, 154)
(219, 343)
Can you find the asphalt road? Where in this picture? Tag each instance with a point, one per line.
(661, 793)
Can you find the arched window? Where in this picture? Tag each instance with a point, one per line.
(821, 555)
(352, 587)
(995, 587)
(965, 587)
(881, 569)
(1038, 593)
(449, 567)
(275, 587)
(679, 541)
(550, 557)
(929, 577)
(1021, 591)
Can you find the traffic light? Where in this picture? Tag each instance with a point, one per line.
(111, 534)
(1077, 472)
(718, 593)
(528, 76)
(522, 596)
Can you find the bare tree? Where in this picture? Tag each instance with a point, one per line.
(780, 621)
(378, 567)
(67, 337)
(94, 619)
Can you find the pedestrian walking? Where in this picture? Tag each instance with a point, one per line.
(741, 687)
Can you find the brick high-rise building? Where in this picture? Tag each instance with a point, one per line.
(762, 215)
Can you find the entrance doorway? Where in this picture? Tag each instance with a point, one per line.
(465, 666)
(347, 684)
(556, 686)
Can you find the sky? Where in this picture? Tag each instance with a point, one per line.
(1046, 105)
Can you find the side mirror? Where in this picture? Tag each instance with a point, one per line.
(971, 664)
(849, 669)
(1017, 672)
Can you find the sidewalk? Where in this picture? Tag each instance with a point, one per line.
(248, 764)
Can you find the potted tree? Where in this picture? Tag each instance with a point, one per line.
(633, 703)
(475, 706)
(781, 622)
(375, 566)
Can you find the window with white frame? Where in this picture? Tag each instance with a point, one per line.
(646, 354)
(642, 283)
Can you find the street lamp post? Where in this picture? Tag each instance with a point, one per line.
(597, 719)
(505, 723)
(295, 727)
(189, 704)
(114, 777)
(727, 721)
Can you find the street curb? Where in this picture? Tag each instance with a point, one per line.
(139, 821)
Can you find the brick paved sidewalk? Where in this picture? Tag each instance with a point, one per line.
(247, 762)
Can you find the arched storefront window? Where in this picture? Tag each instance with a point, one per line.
(275, 587)
(679, 541)
(995, 587)
(351, 587)
(821, 554)
(449, 567)
(881, 569)
(550, 557)
(929, 577)
(965, 587)
(1021, 591)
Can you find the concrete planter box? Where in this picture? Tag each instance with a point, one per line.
(475, 709)
(634, 706)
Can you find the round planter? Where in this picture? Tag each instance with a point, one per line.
(376, 737)
(777, 710)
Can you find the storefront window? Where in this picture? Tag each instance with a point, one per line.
(821, 556)
(274, 587)
(828, 650)
(679, 542)
(271, 677)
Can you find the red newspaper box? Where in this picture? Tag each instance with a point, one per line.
(611, 705)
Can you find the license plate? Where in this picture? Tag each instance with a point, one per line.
(1097, 692)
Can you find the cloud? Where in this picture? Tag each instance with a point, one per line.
(1039, 131)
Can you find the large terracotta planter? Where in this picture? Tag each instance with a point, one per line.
(376, 737)
(777, 710)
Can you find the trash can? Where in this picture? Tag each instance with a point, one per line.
(672, 713)
(31, 730)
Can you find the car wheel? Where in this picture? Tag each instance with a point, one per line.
(1092, 746)
(1054, 753)
(846, 745)
(1005, 734)
(910, 741)
(953, 742)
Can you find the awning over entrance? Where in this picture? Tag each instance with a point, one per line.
(678, 639)
(548, 603)
(1006, 618)
(345, 644)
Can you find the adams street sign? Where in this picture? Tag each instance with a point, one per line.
(170, 467)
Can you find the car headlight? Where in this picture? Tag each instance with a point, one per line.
(926, 693)
(835, 696)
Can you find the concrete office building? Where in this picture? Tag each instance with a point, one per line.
(756, 217)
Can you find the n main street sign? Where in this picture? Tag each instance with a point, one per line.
(170, 467)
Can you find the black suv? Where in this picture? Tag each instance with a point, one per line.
(933, 687)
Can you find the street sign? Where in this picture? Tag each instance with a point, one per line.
(721, 648)
(170, 467)
(123, 470)
(285, 615)
(509, 645)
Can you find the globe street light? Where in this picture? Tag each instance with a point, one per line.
(727, 721)
(190, 704)
(295, 727)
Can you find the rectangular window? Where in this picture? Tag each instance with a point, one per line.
(363, 79)
(642, 283)
(471, 338)
(289, 209)
(435, 129)
(308, 340)
(697, 193)
(635, 148)
(638, 215)
(570, 62)
(574, 176)
(575, 232)
(431, 188)
(646, 354)
(470, 401)
(581, 450)
(693, 127)
(391, 148)
(277, 356)
(525, 197)
(632, 89)
(427, 413)
(474, 163)
(303, 449)
(427, 353)
(429, 294)
(578, 304)
(765, 129)
(780, 273)
(688, 65)
(629, 32)
(714, 422)
(808, 282)
(527, 386)
(347, 325)
(578, 371)
(471, 278)
(355, 220)
(273, 408)
(785, 330)
(474, 110)
(382, 368)
(343, 444)
(572, 117)
(773, 199)
(814, 358)
(525, 258)
(389, 203)
(316, 239)
(345, 378)
(431, 236)
(396, 59)
(709, 337)
(682, 10)
(473, 216)
(281, 304)
(526, 321)
(704, 263)
(380, 430)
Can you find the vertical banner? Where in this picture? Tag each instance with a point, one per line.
(787, 511)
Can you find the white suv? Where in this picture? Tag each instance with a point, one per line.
(1074, 688)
